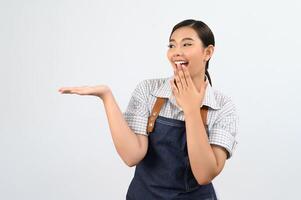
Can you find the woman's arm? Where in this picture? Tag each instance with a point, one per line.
(206, 160)
(130, 146)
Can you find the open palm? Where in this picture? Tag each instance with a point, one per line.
(98, 90)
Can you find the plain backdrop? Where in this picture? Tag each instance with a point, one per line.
(59, 147)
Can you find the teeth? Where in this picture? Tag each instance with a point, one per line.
(180, 62)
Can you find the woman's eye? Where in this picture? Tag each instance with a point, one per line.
(187, 44)
(170, 46)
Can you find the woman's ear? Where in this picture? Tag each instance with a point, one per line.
(208, 52)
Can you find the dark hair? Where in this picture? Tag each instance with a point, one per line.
(204, 32)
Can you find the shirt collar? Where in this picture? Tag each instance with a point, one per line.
(165, 91)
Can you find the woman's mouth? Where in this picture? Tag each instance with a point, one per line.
(181, 62)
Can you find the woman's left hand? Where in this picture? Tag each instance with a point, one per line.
(187, 95)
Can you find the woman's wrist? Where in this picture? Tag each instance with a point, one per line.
(106, 96)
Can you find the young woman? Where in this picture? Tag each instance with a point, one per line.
(177, 131)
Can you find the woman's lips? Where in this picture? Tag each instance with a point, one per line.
(182, 62)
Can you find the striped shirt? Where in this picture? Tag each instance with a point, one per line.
(222, 119)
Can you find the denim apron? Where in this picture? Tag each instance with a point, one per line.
(165, 172)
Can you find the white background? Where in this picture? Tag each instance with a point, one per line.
(59, 147)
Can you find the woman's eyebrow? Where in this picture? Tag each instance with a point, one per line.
(172, 40)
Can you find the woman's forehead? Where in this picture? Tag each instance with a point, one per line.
(184, 33)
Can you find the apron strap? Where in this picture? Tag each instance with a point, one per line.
(154, 114)
(156, 110)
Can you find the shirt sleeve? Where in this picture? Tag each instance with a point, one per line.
(224, 129)
(136, 113)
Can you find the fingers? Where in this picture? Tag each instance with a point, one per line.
(180, 79)
(69, 90)
(187, 77)
(64, 90)
(174, 88)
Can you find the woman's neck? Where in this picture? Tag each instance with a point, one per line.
(198, 81)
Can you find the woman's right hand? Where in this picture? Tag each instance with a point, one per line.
(98, 90)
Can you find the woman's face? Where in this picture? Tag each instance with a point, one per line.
(185, 47)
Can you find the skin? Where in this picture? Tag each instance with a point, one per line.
(206, 160)
(130, 146)
(185, 44)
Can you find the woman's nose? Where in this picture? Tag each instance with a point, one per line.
(177, 53)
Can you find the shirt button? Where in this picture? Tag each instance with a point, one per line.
(150, 124)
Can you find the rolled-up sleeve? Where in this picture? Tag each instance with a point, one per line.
(224, 129)
(136, 113)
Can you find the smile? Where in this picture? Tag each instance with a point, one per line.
(181, 62)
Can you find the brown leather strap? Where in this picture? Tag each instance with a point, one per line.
(156, 110)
